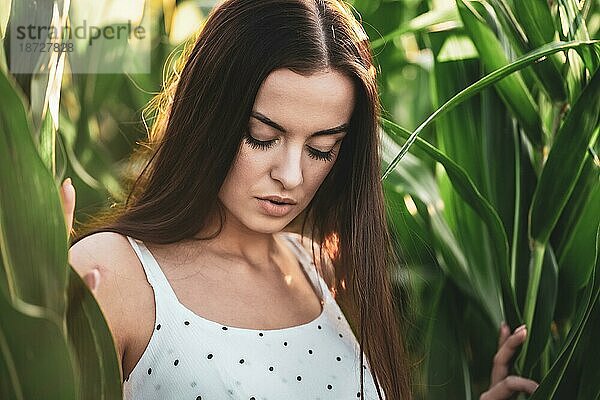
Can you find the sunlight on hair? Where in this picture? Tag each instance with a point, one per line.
(372, 71)
(331, 245)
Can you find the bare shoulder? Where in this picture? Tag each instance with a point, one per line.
(109, 252)
(122, 280)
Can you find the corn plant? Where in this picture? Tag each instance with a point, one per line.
(509, 210)
(54, 340)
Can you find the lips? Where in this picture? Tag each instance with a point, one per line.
(278, 199)
(275, 206)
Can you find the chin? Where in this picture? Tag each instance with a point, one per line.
(264, 224)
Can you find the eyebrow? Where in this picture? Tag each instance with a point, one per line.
(331, 131)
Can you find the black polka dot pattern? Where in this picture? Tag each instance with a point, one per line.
(188, 355)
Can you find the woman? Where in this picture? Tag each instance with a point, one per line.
(272, 121)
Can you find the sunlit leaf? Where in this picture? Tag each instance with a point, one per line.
(478, 20)
(538, 24)
(565, 162)
(447, 17)
(478, 86)
(5, 6)
(472, 196)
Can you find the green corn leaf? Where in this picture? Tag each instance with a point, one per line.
(512, 89)
(545, 301)
(538, 24)
(412, 177)
(552, 380)
(422, 22)
(31, 216)
(47, 145)
(30, 212)
(470, 194)
(589, 385)
(35, 358)
(95, 348)
(565, 162)
(409, 227)
(490, 79)
(577, 30)
(581, 199)
(447, 368)
(466, 150)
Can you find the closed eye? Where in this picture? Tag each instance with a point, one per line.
(267, 144)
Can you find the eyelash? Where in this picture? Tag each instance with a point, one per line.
(267, 144)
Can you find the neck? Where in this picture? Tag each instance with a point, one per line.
(257, 251)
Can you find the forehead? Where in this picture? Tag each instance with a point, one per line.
(306, 102)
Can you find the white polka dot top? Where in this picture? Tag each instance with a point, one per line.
(193, 358)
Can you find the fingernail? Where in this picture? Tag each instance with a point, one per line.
(68, 182)
(520, 328)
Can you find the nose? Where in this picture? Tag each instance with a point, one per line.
(288, 169)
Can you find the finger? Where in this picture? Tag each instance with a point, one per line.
(68, 200)
(505, 353)
(92, 279)
(508, 386)
(504, 334)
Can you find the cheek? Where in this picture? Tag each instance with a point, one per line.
(247, 170)
(314, 174)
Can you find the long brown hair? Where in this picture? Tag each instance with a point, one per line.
(202, 115)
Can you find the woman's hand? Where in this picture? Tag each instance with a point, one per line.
(502, 385)
(92, 278)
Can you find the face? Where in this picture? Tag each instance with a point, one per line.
(293, 138)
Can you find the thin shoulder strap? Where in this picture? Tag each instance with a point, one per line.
(307, 262)
(154, 274)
